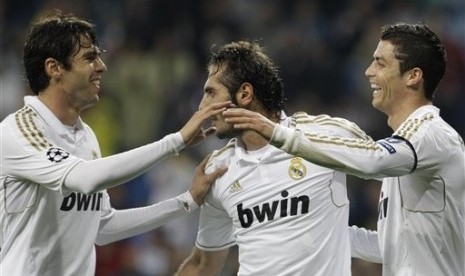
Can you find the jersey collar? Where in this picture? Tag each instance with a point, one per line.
(50, 118)
(260, 154)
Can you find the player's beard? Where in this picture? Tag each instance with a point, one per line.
(227, 134)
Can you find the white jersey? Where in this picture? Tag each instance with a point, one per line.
(49, 230)
(421, 209)
(40, 220)
(287, 216)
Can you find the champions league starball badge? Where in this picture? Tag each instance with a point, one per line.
(297, 169)
(56, 155)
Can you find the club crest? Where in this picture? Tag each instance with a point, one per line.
(297, 169)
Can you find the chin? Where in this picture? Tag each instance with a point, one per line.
(225, 134)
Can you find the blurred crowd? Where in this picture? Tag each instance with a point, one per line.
(156, 55)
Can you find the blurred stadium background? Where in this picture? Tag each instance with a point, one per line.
(156, 56)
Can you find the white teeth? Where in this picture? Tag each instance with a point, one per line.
(375, 87)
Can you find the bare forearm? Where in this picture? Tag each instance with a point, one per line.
(203, 263)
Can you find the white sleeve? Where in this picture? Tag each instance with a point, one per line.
(121, 224)
(215, 228)
(95, 175)
(365, 158)
(364, 244)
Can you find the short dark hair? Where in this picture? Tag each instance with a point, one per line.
(54, 35)
(416, 45)
(247, 61)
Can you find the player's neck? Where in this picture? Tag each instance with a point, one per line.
(252, 140)
(395, 119)
(66, 114)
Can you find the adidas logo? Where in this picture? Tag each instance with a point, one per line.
(235, 187)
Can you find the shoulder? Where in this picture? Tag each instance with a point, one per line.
(89, 131)
(220, 157)
(25, 129)
(428, 128)
(326, 124)
(416, 125)
(225, 152)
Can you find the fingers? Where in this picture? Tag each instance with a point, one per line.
(214, 175)
(216, 108)
(235, 112)
(217, 173)
(241, 118)
(202, 182)
(249, 120)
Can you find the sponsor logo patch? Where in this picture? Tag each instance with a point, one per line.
(388, 147)
(56, 155)
(235, 187)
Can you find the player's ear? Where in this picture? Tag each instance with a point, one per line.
(244, 95)
(53, 68)
(414, 77)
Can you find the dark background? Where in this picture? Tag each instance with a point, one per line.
(156, 58)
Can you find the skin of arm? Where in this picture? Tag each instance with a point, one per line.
(203, 263)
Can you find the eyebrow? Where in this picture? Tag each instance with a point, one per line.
(94, 52)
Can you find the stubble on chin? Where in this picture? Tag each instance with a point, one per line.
(226, 134)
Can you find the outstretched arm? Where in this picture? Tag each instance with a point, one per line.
(121, 224)
(91, 176)
(203, 263)
(365, 158)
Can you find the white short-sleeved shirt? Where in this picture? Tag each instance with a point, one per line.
(45, 229)
(287, 216)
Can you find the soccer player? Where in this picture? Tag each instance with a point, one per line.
(421, 209)
(53, 201)
(287, 215)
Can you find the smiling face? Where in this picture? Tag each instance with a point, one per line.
(81, 83)
(215, 91)
(389, 87)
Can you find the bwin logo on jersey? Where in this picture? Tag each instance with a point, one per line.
(268, 211)
(81, 202)
(56, 154)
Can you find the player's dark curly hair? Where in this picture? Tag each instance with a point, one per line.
(417, 46)
(246, 61)
(54, 35)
